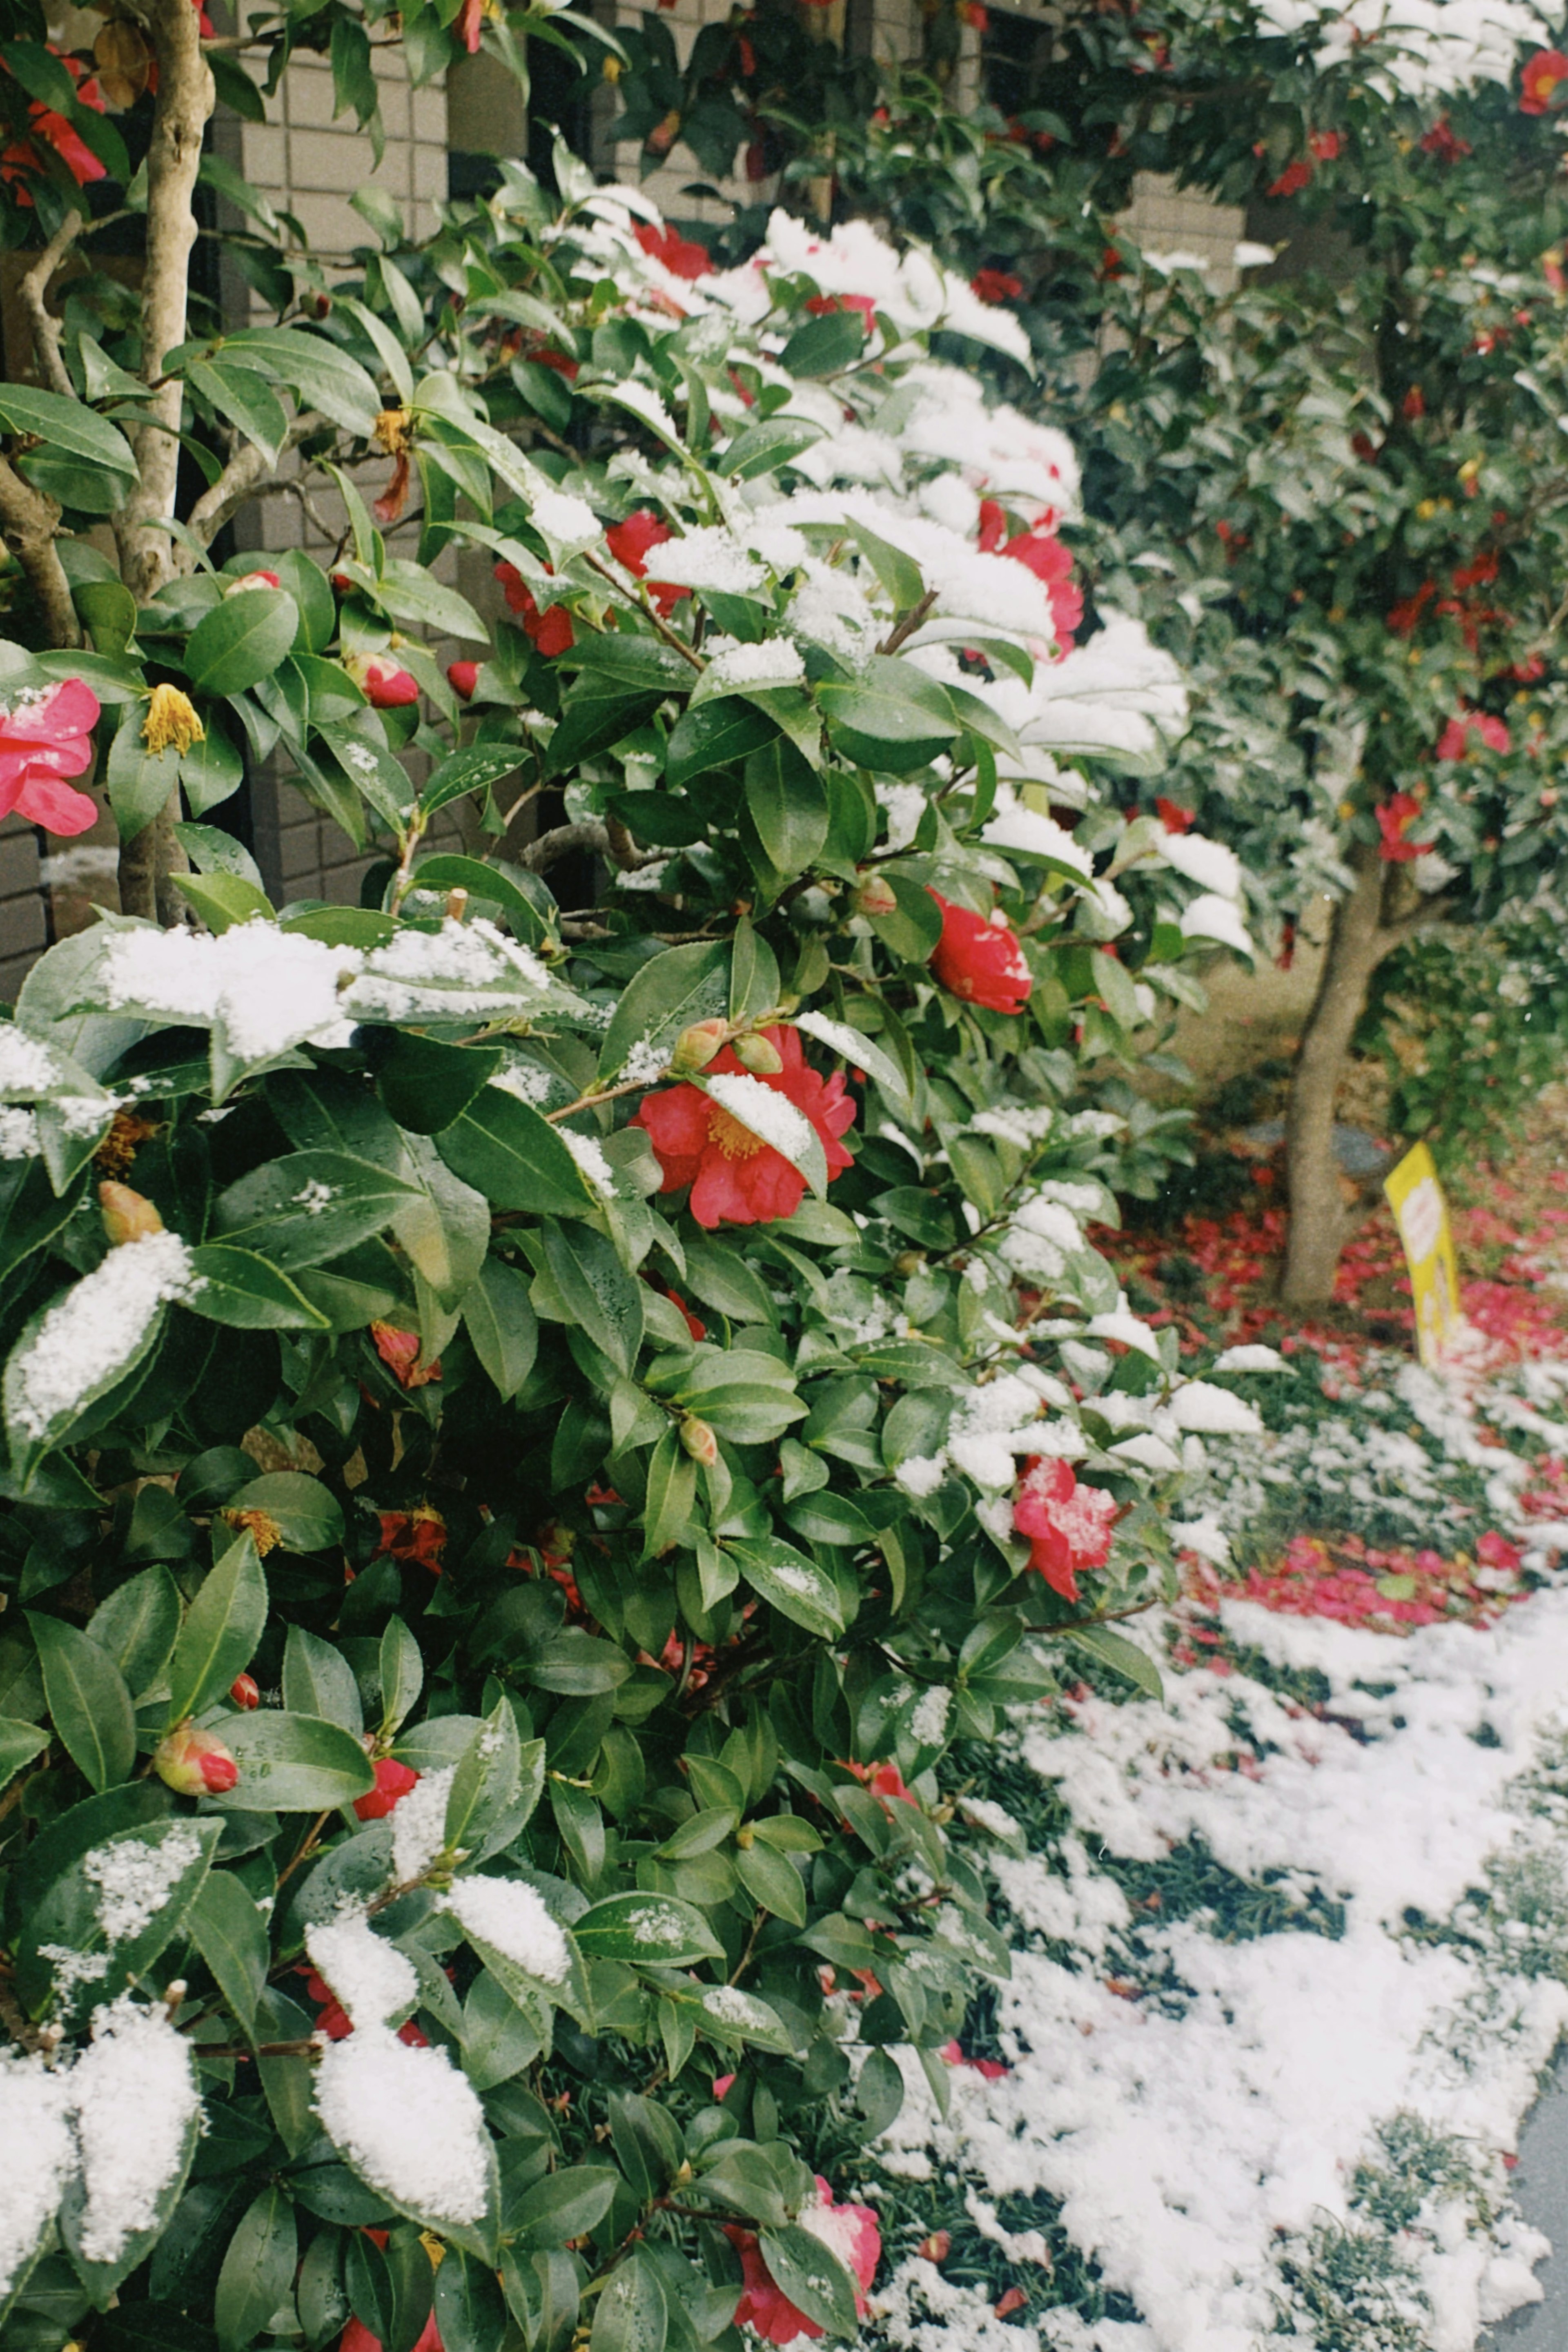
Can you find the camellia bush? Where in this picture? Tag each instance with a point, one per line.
(534, 1415)
(1335, 495)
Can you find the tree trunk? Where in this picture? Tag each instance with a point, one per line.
(1319, 1222)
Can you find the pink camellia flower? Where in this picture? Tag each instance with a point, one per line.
(736, 1177)
(400, 1353)
(392, 1783)
(1069, 1526)
(850, 2232)
(43, 738)
(1543, 73)
(383, 682)
(978, 958)
(194, 1763)
(252, 580)
(721, 2085)
(1453, 742)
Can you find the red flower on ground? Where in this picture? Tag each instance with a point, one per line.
(1395, 817)
(392, 1783)
(383, 682)
(1069, 1526)
(1175, 819)
(978, 958)
(1039, 551)
(45, 737)
(399, 1352)
(851, 2231)
(1543, 73)
(996, 286)
(735, 1177)
(630, 543)
(681, 255)
(419, 1535)
(550, 629)
(1444, 142)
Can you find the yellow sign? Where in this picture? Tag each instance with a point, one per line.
(1421, 1214)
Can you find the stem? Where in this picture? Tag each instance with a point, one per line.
(28, 521)
(638, 604)
(905, 628)
(34, 290)
(307, 1846)
(146, 867)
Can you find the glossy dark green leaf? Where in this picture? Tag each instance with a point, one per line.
(257, 2270)
(89, 1704)
(509, 1153)
(230, 1934)
(241, 640)
(222, 1628)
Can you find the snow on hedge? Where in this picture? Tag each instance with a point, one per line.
(95, 1328)
(408, 2123)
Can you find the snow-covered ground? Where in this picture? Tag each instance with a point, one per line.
(1280, 2113)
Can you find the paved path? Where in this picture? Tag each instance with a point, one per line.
(1541, 2185)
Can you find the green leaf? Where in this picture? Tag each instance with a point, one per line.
(632, 2313)
(475, 768)
(824, 345)
(671, 1491)
(402, 1674)
(792, 1584)
(762, 449)
(77, 1911)
(898, 572)
(309, 1516)
(67, 428)
(89, 1704)
(714, 735)
(230, 1934)
(812, 2277)
(784, 808)
(470, 2313)
(1124, 1657)
(318, 1679)
(564, 2205)
(594, 1289)
(109, 612)
(138, 780)
(294, 1764)
(137, 1627)
(309, 1206)
(501, 1322)
(241, 641)
(426, 1085)
(657, 1930)
(877, 729)
(512, 1155)
(665, 995)
(487, 1781)
(773, 1881)
(257, 2275)
(19, 1743)
(241, 1290)
(244, 398)
(323, 376)
(223, 900)
(41, 75)
(222, 1628)
(524, 900)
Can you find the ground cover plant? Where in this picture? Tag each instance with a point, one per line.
(521, 1454)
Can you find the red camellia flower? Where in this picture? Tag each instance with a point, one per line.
(1412, 407)
(630, 543)
(996, 286)
(851, 2231)
(23, 157)
(1039, 551)
(993, 527)
(383, 682)
(248, 579)
(43, 738)
(681, 255)
(884, 1780)
(978, 958)
(1395, 817)
(550, 629)
(1069, 1526)
(243, 1690)
(1444, 142)
(1405, 617)
(1326, 145)
(462, 677)
(735, 1177)
(821, 306)
(973, 14)
(1175, 819)
(1292, 179)
(392, 1783)
(419, 1535)
(1454, 741)
(399, 1352)
(1543, 73)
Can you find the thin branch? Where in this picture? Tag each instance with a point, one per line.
(564, 840)
(245, 476)
(638, 604)
(904, 629)
(46, 327)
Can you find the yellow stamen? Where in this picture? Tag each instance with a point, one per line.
(171, 719)
(735, 1141)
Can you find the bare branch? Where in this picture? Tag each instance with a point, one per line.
(551, 847)
(186, 99)
(35, 287)
(28, 521)
(248, 475)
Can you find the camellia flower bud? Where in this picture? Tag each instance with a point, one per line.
(876, 896)
(385, 683)
(392, 1783)
(462, 678)
(244, 1692)
(252, 580)
(700, 1441)
(760, 1055)
(127, 1217)
(194, 1763)
(695, 1047)
(171, 719)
